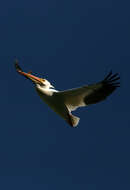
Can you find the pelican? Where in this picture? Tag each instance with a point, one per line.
(63, 102)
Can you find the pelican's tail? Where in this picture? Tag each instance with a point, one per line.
(73, 120)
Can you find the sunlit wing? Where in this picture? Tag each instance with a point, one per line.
(90, 94)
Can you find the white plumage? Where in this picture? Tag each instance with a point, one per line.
(63, 102)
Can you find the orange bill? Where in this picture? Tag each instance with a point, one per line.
(28, 75)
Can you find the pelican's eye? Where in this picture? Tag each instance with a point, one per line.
(43, 82)
(43, 79)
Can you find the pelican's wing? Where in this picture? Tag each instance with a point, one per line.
(90, 94)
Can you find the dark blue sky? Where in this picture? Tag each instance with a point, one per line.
(71, 43)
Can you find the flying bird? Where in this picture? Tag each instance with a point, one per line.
(63, 102)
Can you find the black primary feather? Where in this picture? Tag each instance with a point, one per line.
(109, 81)
(103, 89)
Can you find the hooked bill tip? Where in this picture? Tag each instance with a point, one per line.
(17, 67)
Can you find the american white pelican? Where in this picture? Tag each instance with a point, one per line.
(63, 102)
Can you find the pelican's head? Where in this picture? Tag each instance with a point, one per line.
(39, 82)
(43, 83)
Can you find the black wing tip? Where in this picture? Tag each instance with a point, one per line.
(112, 79)
(109, 74)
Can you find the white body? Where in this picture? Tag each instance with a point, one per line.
(56, 101)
